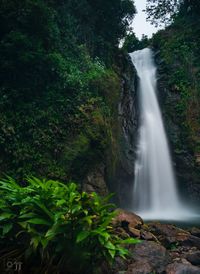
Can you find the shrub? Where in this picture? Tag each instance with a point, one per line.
(54, 226)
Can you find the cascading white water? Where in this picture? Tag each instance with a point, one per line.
(155, 194)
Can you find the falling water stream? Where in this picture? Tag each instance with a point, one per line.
(155, 194)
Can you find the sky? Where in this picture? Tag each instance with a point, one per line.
(140, 25)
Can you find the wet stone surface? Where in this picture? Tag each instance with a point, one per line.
(164, 248)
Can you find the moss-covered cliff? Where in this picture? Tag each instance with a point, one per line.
(178, 60)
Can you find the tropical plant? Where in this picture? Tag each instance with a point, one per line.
(53, 225)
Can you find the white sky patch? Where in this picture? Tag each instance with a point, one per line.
(140, 25)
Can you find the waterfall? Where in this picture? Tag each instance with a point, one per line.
(155, 193)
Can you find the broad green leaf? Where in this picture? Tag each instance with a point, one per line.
(61, 202)
(44, 242)
(109, 245)
(28, 215)
(102, 240)
(44, 208)
(82, 236)
(123, 252)
(6, 215)
(35, 242)
(23, 224)
(112, 253)
(85, 212)
(104, 234)
(88, 219)
(7, 228)
(51, 233)
(76, 208)
(39, 221)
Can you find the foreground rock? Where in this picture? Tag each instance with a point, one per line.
(164, 248)
(128, 220)
(150, 253)
(182, 268)
(169, 234)
(138, 268)
(195, 231)
(194, 257)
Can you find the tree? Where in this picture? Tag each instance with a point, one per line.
(131, 43)
(164, 11)
(161, 11)
(102, 23)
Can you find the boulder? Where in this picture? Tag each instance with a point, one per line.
(182, 268)
(134, 232)
(168, 234)
(192, 241)
(194, 258)
(119, 266)
(195, 231)
(127, 219)
(138, 268)
(146, 235)
(122, 233)
(151, 253)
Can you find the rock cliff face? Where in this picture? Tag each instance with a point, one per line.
(95, 181)
(122, 179)
(117, 175)
(185, 162)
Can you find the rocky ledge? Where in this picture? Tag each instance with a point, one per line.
(164, 248)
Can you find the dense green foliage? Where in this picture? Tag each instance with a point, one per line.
(58, 99)
(51, 226)
(55, 24)
(132, 43)
(179, 50)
